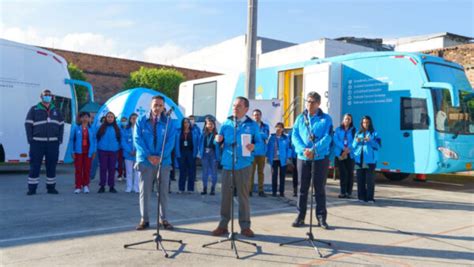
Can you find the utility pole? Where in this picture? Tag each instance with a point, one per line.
(251, 39)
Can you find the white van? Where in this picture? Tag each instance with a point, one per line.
(25, 71)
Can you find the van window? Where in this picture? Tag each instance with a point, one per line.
(63, 104)
(414, 114)
(204, 100)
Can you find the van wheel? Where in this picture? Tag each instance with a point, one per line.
(392, 176)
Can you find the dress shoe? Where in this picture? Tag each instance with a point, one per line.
(247, 232)
(220, 231)
(142, 225)
(298, 223)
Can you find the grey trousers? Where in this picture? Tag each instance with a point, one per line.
(147, 175)
(242, 184)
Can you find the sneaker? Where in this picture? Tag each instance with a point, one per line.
(86, 189)
(77, 191)
(247, 232)
(112, 190)
(101, 190)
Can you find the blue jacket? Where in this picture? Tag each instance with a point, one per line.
(321, 126)
(143, 139)
(217, 147)
(248, 126)
(126, 143)
(108, 141)
(195, 136)
(283, 148)
(75, 140)
(293, 154)
(339, 134)
(44, 126)
(264, 131)
(370, 149)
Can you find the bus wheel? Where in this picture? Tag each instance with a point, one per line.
(392, 176)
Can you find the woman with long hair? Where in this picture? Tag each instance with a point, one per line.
(108, 145)
(366, 145)
(129, 153)
(343, 137)
(187, 146)
(210, 154)
(83, 143)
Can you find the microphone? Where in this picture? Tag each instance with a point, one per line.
(168, 113)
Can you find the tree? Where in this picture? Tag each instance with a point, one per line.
(81, 92)
(163, 80)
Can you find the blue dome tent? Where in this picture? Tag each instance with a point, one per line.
(136, 100)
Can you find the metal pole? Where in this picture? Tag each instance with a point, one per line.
(251, 39)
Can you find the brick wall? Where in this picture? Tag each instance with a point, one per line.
(107, 74)
(461, 54)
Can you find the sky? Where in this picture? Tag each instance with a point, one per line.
(160, 30)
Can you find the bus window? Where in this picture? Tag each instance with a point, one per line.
(449, 119)
(204, 99)
(414, 114)
(63, 104)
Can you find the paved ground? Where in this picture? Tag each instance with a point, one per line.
(412, 224)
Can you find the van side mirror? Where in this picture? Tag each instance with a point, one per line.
(438, 86)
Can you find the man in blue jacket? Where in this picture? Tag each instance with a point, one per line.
(259, 155)
(312, 139)
(246, 130)
(148, 140)
(44, 129)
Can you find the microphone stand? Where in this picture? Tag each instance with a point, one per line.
(232, 238)
(158, 238)
(310, 237)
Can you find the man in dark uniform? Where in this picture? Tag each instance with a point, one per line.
(44, 129)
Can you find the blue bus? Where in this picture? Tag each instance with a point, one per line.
(422, 106)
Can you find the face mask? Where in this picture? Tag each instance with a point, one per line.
(124, 123)
(47, 98)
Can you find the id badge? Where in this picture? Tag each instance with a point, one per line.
(208, 150)
(185, 143)
(49, 119)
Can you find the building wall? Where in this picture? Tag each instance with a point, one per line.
(228, 56)
(107, 74)
(461, 54)
(322, 48)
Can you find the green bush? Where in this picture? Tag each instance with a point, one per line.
(81, 92)
(163, 80)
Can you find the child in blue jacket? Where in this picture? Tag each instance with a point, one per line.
(129, 154)
(83, 143)
(108, 145)
(278, 152)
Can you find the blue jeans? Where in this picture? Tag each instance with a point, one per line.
(187, 165)
(209, 167)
